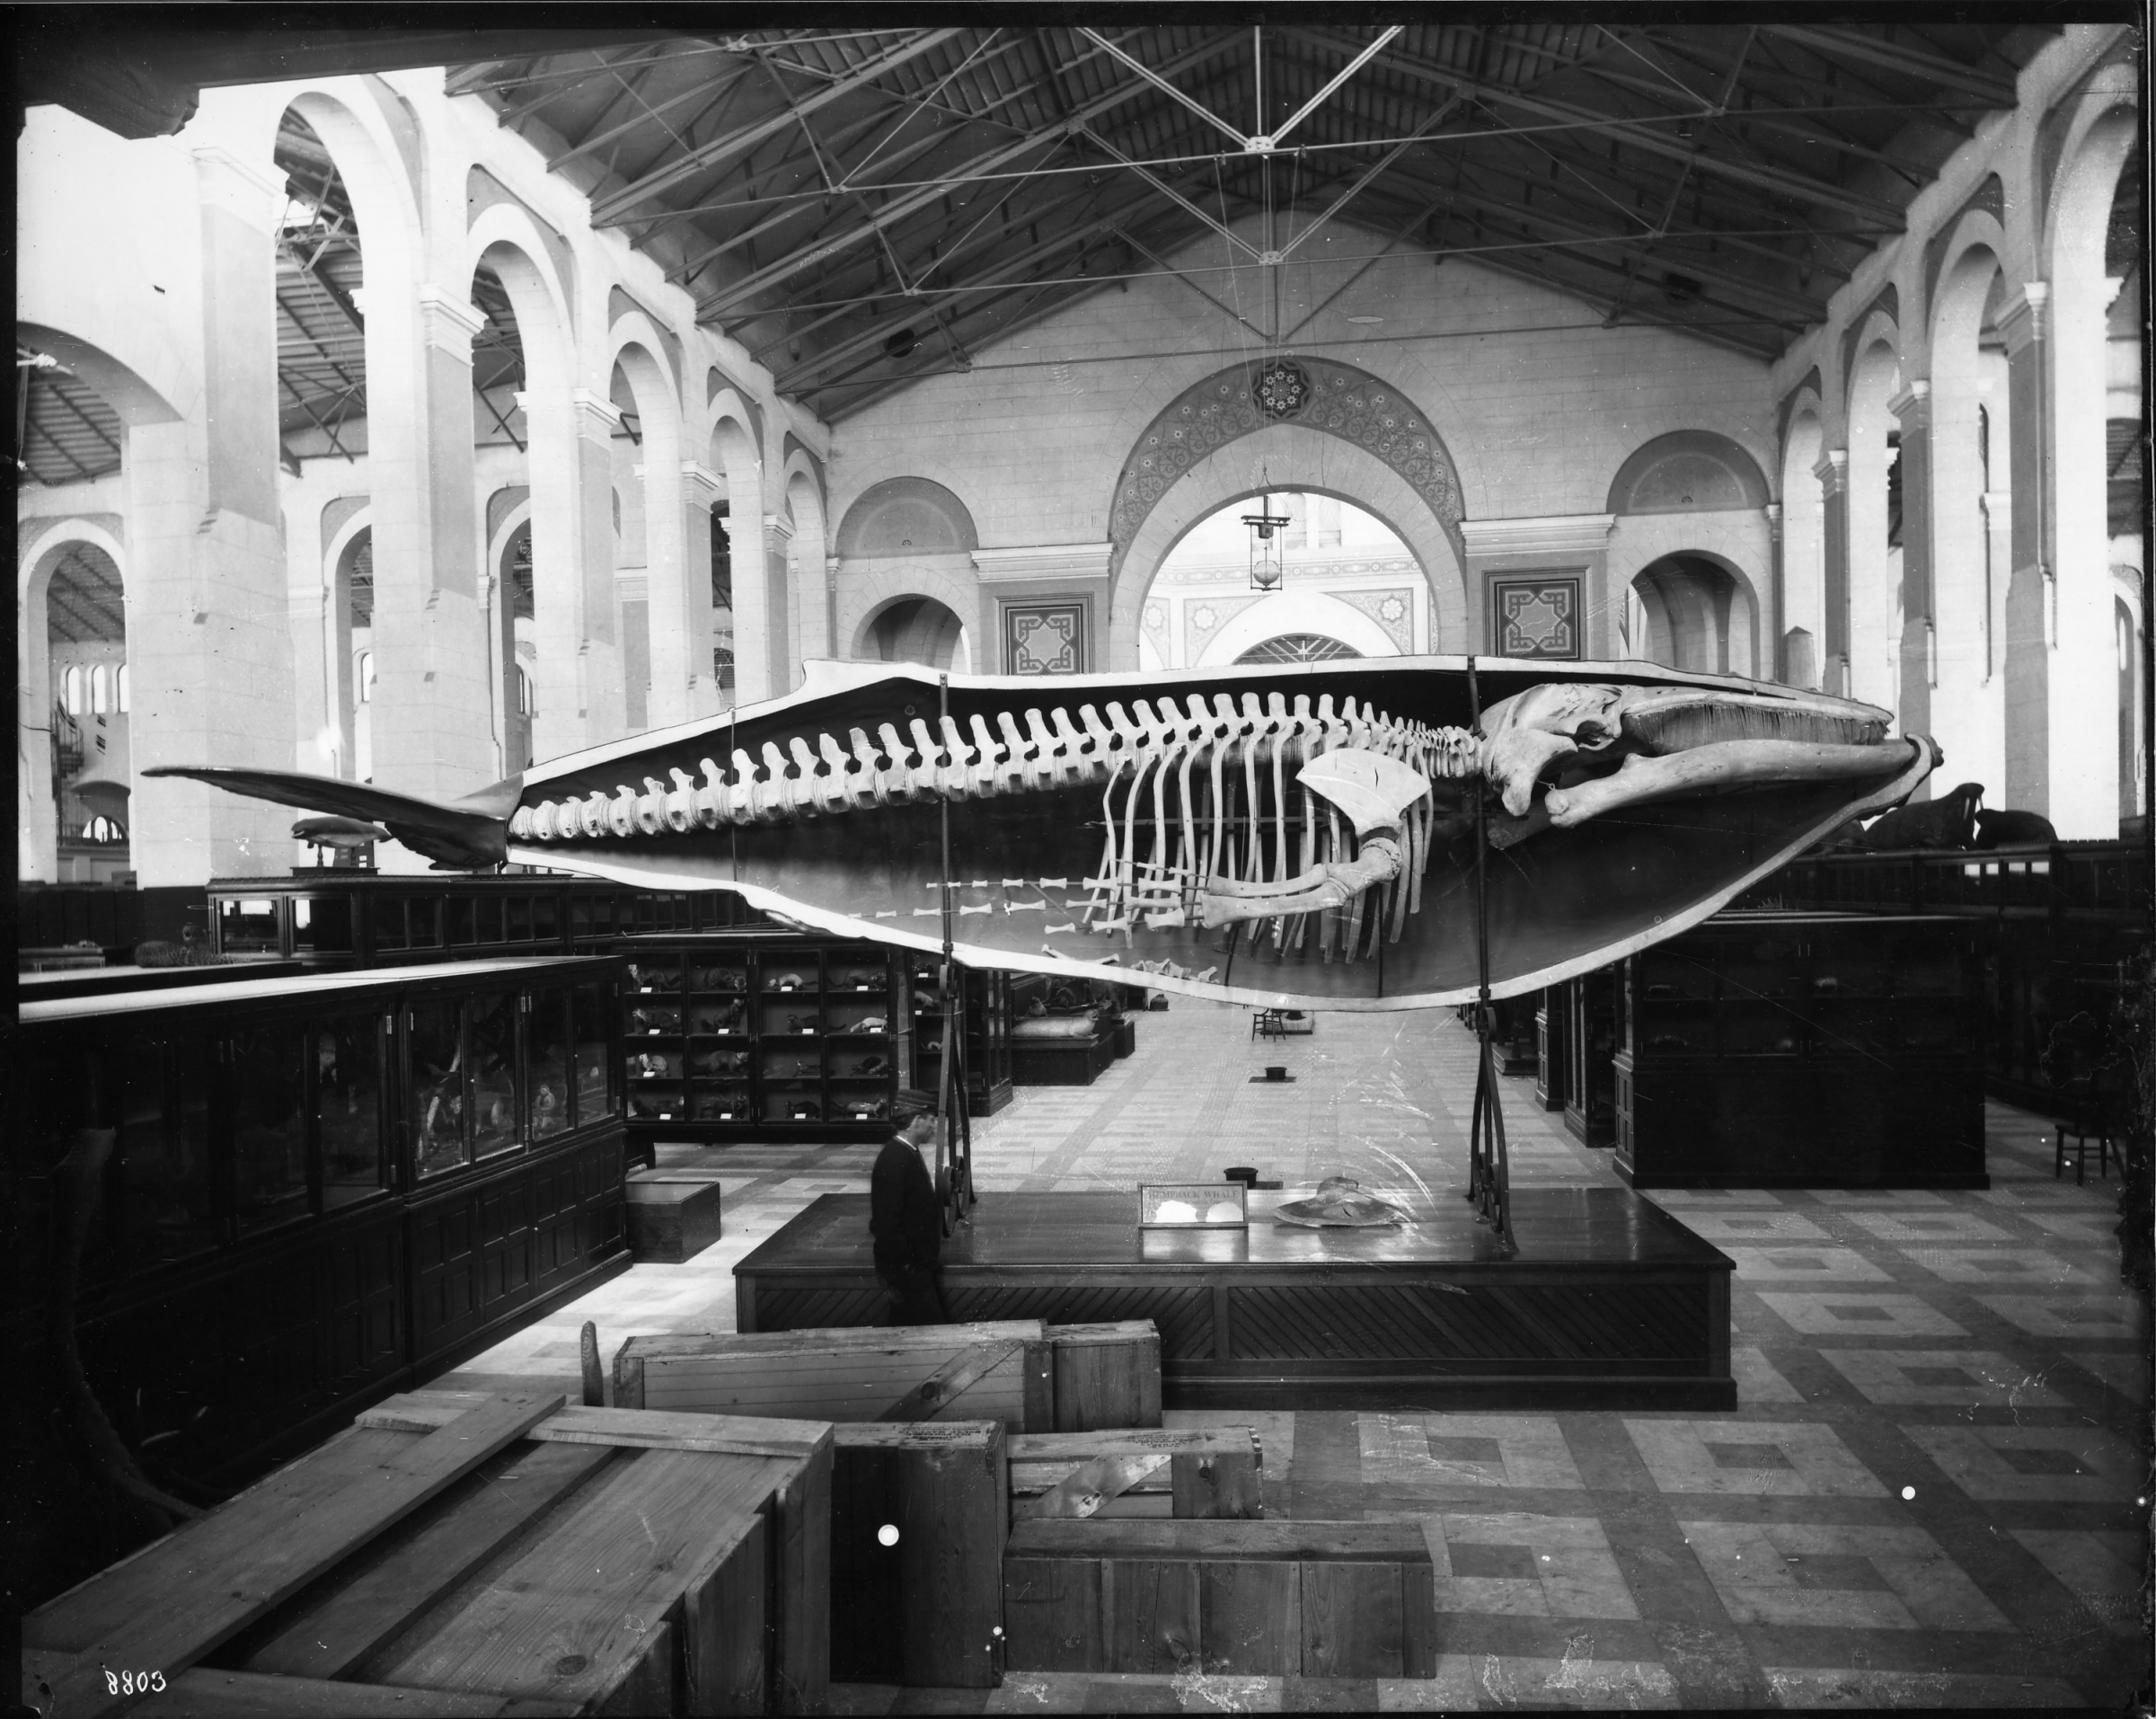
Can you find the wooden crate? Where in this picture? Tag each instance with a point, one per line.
(1107, 1376)
(673, 1214)
(996, 1371)
(1270, 1598)
(454, 1552)
(1195, 1472)
(1061, 1062)
(927, 1610)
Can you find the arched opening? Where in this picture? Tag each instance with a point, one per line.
(663, 612)
(1971, 548)
(85, 650)
(741, 571)
(1298, 647)
(1347, 577)
(917, 629)
(354, 575)
(811, 613)
(1875, 557)
(1803, 552)
(517, 594)
(320, 286)
(498, 421)
(1689, 607)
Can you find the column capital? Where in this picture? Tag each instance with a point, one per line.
(449, 323)
(255, 194)
(2025, 318)
(1913, 405)
(700, 487)
(597, 419)
(1998, 506)
(1772, 513)
(1832, 471)
(778, 530)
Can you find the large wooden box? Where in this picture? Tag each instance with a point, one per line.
(1061, 1062)
(458, 1553)
(998, 1372)
(1107, 1375)
(1270, 1598)
(673, 1214)
(918, 1520)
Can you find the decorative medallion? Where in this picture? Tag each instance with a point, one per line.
(1044, 639)
(1203, 618)
(1536, 617)
(1281, 389)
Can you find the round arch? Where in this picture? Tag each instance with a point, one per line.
(1287, 456)
(36, 816)
(677, 614)
(1688, 471)
(905, 516)
(1740, 651)
(1295, 611)
(910, 627)
(1874, 628)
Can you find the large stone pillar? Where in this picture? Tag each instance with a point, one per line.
(208, 640)
(768, 635)
(676, 619)
(602, 702)
(701, 490)
(1833, 473)
(1919, 641)
(318, 741)
(1777, 664)
(2024, 321)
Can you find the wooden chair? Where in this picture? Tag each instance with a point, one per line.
(1269, 1023)
(2093, 1109)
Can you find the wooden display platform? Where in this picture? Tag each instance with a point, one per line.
(1608, 1303)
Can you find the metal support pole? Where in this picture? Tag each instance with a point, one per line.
(954, 1136)
(1489, 1170)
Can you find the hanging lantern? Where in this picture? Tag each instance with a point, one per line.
(1267, 571)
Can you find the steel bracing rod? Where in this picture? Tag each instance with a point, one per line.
(1160, 80)
(705, 156)
(1642, 133)
(88, 422)
(1167, 268)
(899, 208)
(1766, 65)
(1913, 62)
(1340, 78)
(1173, 195)
(1443, 113)
(704, 92)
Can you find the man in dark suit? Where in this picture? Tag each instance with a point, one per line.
(905, 1218)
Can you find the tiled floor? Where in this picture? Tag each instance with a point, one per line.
(1932, 1493)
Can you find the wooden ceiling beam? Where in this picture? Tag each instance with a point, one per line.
(1853, 46)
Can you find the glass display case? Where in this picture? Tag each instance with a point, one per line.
(1764, 1049)
(298, 1189)
(755, 1034)
(985, 1020)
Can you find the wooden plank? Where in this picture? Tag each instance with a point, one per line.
(364, 1601)
(640, 1428)
(203, 1693)
(1275, 1537)
(867, 1579)
(1217, 1485)
(674, 1345)
(725, 1617)
(1352, 1625)
(950, 1513)
(803, 1673)
(1251, 1618)
(649, 1683)
(1052, 1613)
(1037, 1390)
(953, 1379)
(1030, 1479)
(207, 1582)
(1078, 1447)
(570, 1613)
(1089, 1485)
(901, 1435)
(1107, 1375)
(1418, 1620)
(1149, 1613)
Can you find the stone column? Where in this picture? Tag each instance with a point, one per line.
(2025, 323)
(602, 700)
(1833, 473)
(208, 638)
(1919, 642)
(1999, 557)
(701, 490)
(318, 739)
(675, 618)
(768, 635)
(1777, 664)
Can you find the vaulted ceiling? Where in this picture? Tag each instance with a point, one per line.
(862, 207)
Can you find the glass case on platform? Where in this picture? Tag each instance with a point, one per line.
(984, 1023)
(755, 1034)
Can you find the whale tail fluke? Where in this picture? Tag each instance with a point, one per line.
(454, 835)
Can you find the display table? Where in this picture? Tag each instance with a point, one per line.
(1609, 1302)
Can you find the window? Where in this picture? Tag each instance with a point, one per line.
(270, 1125)
(75, 690)
(122, 679)
(103, 831)
(593, 1013)
(163, 1153)
(366, 677)
(524, 702)
(437, 1088)
(549, 1062)
(347, 1108)
(490, 1042)
(100, 688)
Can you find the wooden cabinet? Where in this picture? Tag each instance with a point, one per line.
(762, 1035)
(985, 1020)
(1768, 1049)
(296, 1193)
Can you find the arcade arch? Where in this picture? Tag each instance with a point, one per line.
(1875, 561)
(1803, 549)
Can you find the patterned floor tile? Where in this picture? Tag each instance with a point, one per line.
(2125, 1371)
(1751, 1458)
(1753, 1226)
(1470, 1680)
(1853, 1197)
(1525, 1565)
(1929, 1227)
(1432, 1452)
(1827, 1576)
(2091, 1229)
(2070, 1315)
(1687, 1199)
(2101, 1571)
(2082, 1464)
(2012, 1266)
(1859, 1691)
(1804, 1264)
(1950, 1378)
(1757, 1381)
(1860, 1315)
